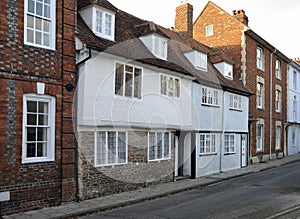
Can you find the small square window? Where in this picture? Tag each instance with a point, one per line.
(209, 30)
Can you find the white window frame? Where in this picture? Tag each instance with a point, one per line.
(260, 95)
(277, 100)
(162, 156)
(169, 85)
(228, 70)
(278, 69)
(259, 137)
(235, 102)
(134, 86)
(294, 80)
(210, 96)
(229, 144)
(209, 30)
(100, 29)
(295, 108)
(36, 30)
(293, 137)
(106, 149)
(50, 127)
(201, 60)
(159, 47)
(278, 134)
(260, 58)
(207, 143)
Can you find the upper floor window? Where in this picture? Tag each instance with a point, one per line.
(294, 80)
(104, 23)
(128, 80)
(278, 69)
(228, 70)
(157, 44)
(260, 58)
(235, 102)
(38, 128)
(295, 108)
(210, 96)
(209, 30)
(110, 148)
(39, 23)
(207, 144)
(159, 146)
(229, 144)
(260, 95)
(201, 61)
(277, 100)
(169, 86)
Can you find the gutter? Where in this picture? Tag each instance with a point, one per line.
(271, 102)
(75, 125)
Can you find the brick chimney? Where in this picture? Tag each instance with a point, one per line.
(240, 15)
(184, 19)
(297, 60)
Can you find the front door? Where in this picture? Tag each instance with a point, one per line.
(244, 150)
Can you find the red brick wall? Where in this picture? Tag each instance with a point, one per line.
(36, 185)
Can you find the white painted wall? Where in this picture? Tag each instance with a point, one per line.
(232, 161)
(99, 106)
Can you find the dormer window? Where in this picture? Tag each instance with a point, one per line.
(226, 69)
(104, 23)
(157, 45)
(198, 59)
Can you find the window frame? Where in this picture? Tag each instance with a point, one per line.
(278, 137)
(295, 103)
(259, 138)
(50, 139)
(278, 69)
(260, 58)
(136, 91)
(209, 30)
(278, 100)
(200, 60)
(96, 163)
(294, 137)
(163, 157)
(229, 144)
(294, 80)
(104, 23)
(235, 102)
(52, 25)
(165, 86)
(260, 95)
(205, 148)
(210, 94)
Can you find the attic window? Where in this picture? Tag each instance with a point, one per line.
(228, 70)
(104, 23)
(201, 61)
(157, 45)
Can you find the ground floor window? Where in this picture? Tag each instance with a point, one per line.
(159, 146)
(229, 144)
(259, 137)
(111, 148)
(38, 128)
(207, 144)
(278, 133)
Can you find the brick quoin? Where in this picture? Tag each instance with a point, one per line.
(36, 185)
(229, 35)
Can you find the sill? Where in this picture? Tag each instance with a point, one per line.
(233, 109)
(278, 112)
(126, 97)
(110, 165)
(208, 154)
(210, 105)
(159, 160)
(39, 46)
(262, 70)
(35, 160)
(260, 108)
(229, 153)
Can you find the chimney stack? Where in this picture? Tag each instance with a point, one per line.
(240, 15)
(297, 60)
(184, 19)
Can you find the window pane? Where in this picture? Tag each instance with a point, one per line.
(177, 88)
(166, 145)
(31, 134)
(121, 147)
(101, 148)
(30, 150)
(159, 145)
(46, 27)
(41, 150)
(39, 9)
(163, 85)
(170, 86)
(38, 23)
(119, 79)
(112, 147)
(42, 134)
(30, 36)
(31, 6)
(30, 21)
(31, 119)
(43, 107)
(47, 11)
(46, 39)
(31, 106)
(137, 83)
(152, 145)
(108, 20)
(99, 21)
(128, 85)
(38, 38)
(43, 120)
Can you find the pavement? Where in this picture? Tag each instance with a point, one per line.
(77, 209)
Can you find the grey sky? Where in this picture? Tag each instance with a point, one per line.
(275, 20)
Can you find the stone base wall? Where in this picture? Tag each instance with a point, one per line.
(137, 173)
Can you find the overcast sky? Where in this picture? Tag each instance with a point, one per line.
(277, 21)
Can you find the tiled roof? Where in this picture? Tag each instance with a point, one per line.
(129, 28)
(102, 3)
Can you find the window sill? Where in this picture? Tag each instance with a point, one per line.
(39, 46)
(32, 161)
(233, 109)
(260, 108)
(229, 153)
(208, 154)
(110, 165)
(210, 105)
(159, 160)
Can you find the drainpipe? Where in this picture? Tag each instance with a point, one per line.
(271, 102)
(75, 125)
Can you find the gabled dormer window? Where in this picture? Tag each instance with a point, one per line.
(198, 59)
(226, 69)
(104, 23)
(157, 45)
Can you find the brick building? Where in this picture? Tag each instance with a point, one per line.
(37, 74)
(262, 69)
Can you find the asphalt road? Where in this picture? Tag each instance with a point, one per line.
(267, 194)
